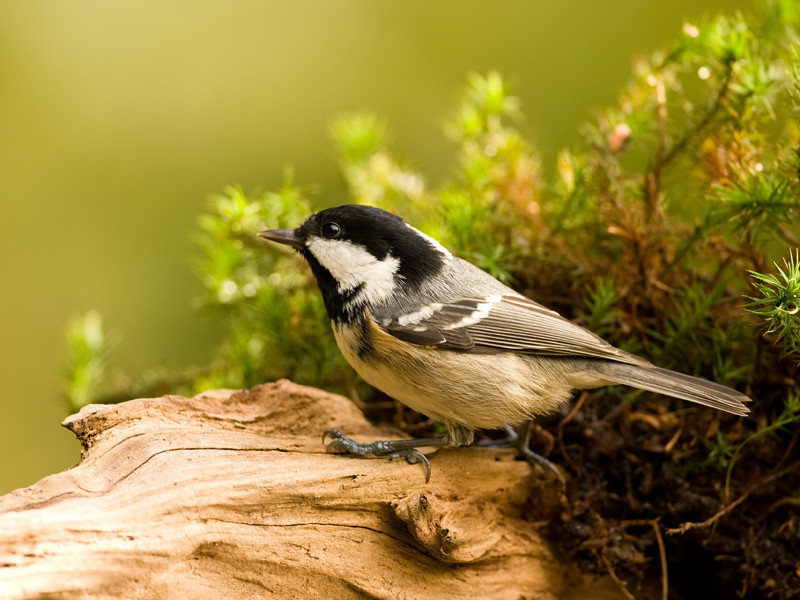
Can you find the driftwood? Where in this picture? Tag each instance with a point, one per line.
(230, 495)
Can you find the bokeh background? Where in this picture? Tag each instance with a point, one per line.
(119, 119)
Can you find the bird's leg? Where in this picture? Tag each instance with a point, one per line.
(391, 449)
(521, 444)
(407, 449)
(507, 441)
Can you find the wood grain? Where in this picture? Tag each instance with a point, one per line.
(231, 495)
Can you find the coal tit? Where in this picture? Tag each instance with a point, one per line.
(452, 342)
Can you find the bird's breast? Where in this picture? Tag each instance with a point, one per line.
(476, 390)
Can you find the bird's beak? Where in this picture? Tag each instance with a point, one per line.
(282, 236)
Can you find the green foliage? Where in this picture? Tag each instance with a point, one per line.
(646, 233)
(652, 230)
(229, 266)
(373, 176)
(88, 349)
(599, 300)
(779, 304)
(784, 422)
(276, 324)
(491, 212)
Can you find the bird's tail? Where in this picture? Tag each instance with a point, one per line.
(677, 385)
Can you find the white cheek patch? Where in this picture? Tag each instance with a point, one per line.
(352, 265)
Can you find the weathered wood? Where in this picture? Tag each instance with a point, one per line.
(230, 495)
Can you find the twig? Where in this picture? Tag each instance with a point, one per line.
(674, 440)
(662, 551)
(789, 447)
(787, 235)
(652, 178)
(623, 587)
(560, 428)
(728, 508)
(702, 123)
(571, 415)
(763, 431)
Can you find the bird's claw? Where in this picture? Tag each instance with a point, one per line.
(414, 456)
(512, 439)
(532, 458)
(341, 444)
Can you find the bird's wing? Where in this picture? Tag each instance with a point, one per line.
(500, 323)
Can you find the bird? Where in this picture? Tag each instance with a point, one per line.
(448, 340)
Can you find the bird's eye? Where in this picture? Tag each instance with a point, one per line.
(330, 230)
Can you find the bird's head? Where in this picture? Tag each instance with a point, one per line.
(362, 256)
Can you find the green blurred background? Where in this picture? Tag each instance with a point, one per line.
(119, 119)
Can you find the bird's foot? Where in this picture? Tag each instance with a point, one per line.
(531, 457)
(519, 442)
(391, 449)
